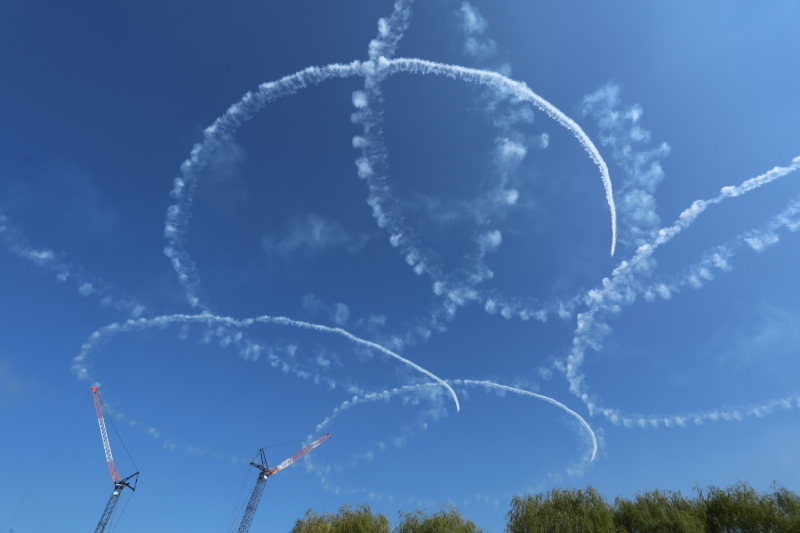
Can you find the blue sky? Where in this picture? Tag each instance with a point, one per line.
(407, 246)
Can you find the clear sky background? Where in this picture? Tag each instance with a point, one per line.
(442, 223)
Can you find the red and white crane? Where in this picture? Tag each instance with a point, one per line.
(263, 475)
(119, 482)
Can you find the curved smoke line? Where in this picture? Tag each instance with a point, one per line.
(519, 90)
(386, 394)
(177, 219)
(81, 369)
(490, 384)
(624, 285)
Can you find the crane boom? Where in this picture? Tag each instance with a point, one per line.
(98, 408)
(263, 476)
(119, 482)
(299, 454)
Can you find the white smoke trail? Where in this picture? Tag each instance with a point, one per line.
(368, 397)
(694, 277)
(459, 288)
(389, 393)
(391, 30)
(18, 245)
(368, 344)
(414, 390)
(87, 285)
(620, 129)
(166, 443)
(456, 290)
(178, 215)
(374, 153)
(737, 413)
(492, 385)
(519, 90)
(623, 286)
(82, 370)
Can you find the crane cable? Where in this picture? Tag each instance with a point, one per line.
(327, 473)
(284, 444)
(234, 515)
(46, 462)
(136, 468)
(118, 437)
(122, 512)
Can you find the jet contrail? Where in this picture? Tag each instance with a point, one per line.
(368, 397)
(390, 31)
(88, 285)
(623, 286)
(368, 344)
(81, 369)
(634, 193)
(490, 384)
(519, 90)
(177, 219)
(387, 394)
(459, 288)
(756, 239)
(456, 289)
(374, 71)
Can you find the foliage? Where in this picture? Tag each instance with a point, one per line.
(561, 511)
(447, 520)
(736, 509)
(740, 509)
(348, 520)
(658, 512)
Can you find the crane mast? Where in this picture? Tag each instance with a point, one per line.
(255, 496)
(119, 482)
(264, 474)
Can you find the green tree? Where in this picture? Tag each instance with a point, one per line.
(787, 505)
(348, 520)
(741, 509)
(447, 520)
(658, 512)
(561, 511)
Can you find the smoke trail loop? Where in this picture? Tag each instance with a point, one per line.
(519, 90)
(491, 384)
(95, 339)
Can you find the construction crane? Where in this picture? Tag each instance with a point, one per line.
(119, 482)
(263, 476)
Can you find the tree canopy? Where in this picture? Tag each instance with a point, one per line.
(736, 509)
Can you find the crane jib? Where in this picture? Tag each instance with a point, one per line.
(301, 453)
(263, 476)
(119, 482)
(98, 408)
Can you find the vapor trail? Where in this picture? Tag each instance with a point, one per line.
(368, 397)
(623, 286)
(490, 384)
(621, 131)
(178, 215)
(368, 344)
(459, 288)
(88, 285)
(387, 394)
(81, 369)
(757, 239)
(391, 30)
(519, 90)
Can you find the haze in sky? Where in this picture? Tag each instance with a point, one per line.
(492, 248)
